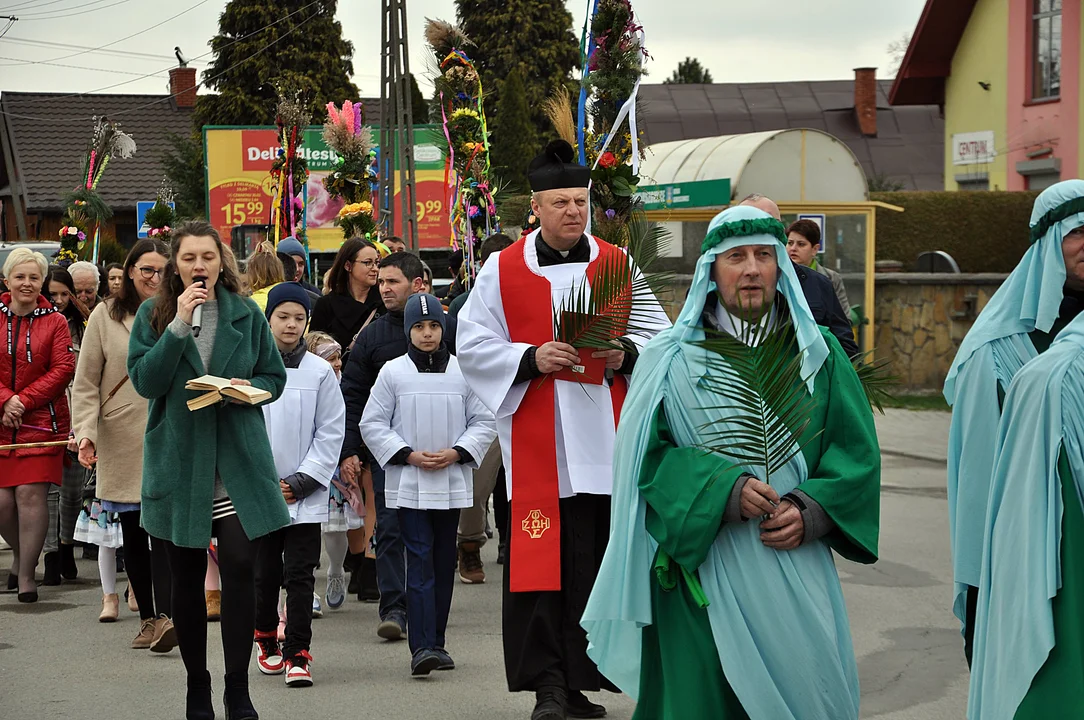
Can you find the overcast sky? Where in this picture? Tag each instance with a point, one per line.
(737, 40)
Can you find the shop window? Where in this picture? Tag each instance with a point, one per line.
(1046, 49)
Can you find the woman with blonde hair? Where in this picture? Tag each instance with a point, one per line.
(36, 365)
(264, 272)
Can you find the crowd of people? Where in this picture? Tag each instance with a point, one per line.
(373, 421)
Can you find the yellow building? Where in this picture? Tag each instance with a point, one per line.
(1007, 76)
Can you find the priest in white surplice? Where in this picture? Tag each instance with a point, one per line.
(556, 409)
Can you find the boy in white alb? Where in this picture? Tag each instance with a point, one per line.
(428, 431)
(306, 427)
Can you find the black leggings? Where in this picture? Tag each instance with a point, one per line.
(147, 566)
(236, 562)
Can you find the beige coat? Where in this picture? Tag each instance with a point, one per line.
(116, 428)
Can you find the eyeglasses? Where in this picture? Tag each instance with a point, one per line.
(148, 272)
(367, 263)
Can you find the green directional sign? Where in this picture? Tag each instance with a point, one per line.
(695, 194)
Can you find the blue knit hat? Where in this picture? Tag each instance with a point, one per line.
(292, 246)
(423, 306)
(287, 292)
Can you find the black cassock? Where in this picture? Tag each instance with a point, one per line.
(544, 644)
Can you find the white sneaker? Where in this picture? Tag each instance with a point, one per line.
(317, 610)
(298, 673)
(336, 591)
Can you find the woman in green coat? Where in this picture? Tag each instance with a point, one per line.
(209, 471)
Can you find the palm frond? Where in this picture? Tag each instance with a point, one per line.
(756, 382)
(622, 299)
(877, 379)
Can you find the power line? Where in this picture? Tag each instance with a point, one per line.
(82, 12)
(66, 46)
(210, 52)
(93, 69)
(168, 97)
(28, 2)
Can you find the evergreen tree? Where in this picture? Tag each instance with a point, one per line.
(515, 144)
(534, 36)
(419, 109)
(183, 164)
(689, 72)
(262, 43)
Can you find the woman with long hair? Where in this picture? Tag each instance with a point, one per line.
(209, 471)
(354, 298)
(264, 272)
(109, 417)
(36, 365)
(65, 501)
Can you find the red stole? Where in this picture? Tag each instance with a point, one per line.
(535, 546)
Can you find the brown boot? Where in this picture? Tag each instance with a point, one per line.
(146, 635)
(130, 594)
(165, 635)
(470, 563)
(214, 605)
(110, 608)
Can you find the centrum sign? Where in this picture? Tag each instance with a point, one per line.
(694, 194)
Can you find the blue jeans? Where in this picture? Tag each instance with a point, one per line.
(390, 554)
(430, 540)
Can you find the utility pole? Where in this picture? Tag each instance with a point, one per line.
(396, 124)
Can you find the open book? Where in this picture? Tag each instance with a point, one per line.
(220, 388)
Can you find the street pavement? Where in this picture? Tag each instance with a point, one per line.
(57, 661)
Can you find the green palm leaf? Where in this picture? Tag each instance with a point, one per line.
(622, 299)
(756, 383)
(877, 379)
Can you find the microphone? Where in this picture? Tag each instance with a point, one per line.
(197, 312)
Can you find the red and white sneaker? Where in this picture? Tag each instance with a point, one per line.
(268, 653)
(298, 673)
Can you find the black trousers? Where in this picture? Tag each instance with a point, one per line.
(147, 564)
(236, 562)
(544, 644)
(970, 610)
(500, 507)
(288, 557)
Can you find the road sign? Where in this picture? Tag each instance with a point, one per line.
(822, 222)
(142, 208)
(695, 194)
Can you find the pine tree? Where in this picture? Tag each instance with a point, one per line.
(419, 109)
(183, 164)
(689, 72)
(264, 43)
(515, 144)
(534, 36)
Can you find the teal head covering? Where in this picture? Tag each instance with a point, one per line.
(1030, 298)
(744, 225)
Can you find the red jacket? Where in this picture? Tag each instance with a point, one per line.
(38, 374)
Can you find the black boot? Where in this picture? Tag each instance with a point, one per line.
(579, 706)
(67, 562)
(368, 591)
(238, 704)
(198, 701)
(550, 704)
(52, 569)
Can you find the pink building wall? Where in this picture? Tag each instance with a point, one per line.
(1034, 125)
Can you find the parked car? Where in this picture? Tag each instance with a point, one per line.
(46, 248)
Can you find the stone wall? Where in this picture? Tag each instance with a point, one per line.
(921, 320)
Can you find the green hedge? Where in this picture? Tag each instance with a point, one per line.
(986, 232)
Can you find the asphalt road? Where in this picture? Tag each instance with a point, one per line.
(57, 661)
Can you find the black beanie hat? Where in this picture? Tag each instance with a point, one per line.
(423, 306)
(287, 292)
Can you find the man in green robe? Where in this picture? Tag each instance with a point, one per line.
(729, 605)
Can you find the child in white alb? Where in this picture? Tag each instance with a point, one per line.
(428, 430)
(306, 427)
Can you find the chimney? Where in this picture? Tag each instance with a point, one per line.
(865, 100)
(182, 86)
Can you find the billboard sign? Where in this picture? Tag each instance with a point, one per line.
(239, 190)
